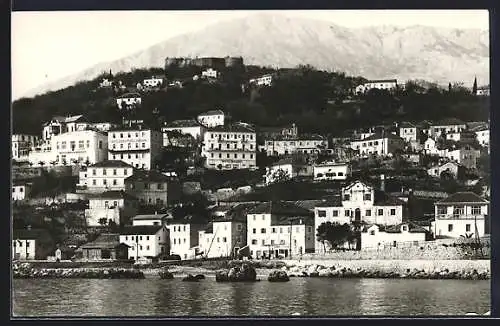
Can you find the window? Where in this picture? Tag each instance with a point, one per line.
(115, 182)
(184, 230)
(441, 210)
(104, 172)
(467, 227)
(372, 232)
(175, 241)
(393, 211)
(347, 213)
(380, 212)
(224, 239)
(368, 212)
(476, 210)
(367, 197)
(405, 228)
(263, 230)
(321, 213)
(254, 242)
(335, 213)
(238, 227)
(281, 230)
(27, 244)
(94, 172)
(263, 242)
(218, 239)
(309, 229)
(272, 242)
(347, 197)
(450, 227)
(104, 182)
(114, 171)
(458, 210)
(94, 182)
(273, 230)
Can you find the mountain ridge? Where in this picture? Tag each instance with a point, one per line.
(439, 55)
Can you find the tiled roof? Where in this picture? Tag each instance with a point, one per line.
(449, 122)
(308, 204)
(114, 194)
(279, 208)
(332, 202)
(104, 241)
(212, 112)
(287, 220)
(463, 197)
(406, 125)
(111, 164)
(412, 228)
(130, 95)
(235, 127)
(383, 199)
(150, 175)
(140, 229)
(149, 217)
(379, 135)
(182, 123)
(24, 234)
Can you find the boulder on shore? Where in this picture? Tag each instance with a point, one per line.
(190, 278)
(278, 276)
(166, 275)
(244, 273)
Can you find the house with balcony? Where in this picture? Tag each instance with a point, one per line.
(307, 144)
(461, 214)
(359, 203)
(148, 241)
(116, 207)
(279, 229)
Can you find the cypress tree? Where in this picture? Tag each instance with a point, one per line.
(474, 87)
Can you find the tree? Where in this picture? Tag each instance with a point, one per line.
(103, 221)
(474, 86)
(334, 233)
(278, 176)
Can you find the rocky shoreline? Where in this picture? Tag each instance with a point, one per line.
(25, 270)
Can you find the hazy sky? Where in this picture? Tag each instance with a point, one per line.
(47, 46)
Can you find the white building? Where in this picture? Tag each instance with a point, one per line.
(430, 147)
(145, 241)
(449, 167)
(21, 191)
(111, 206)
(222, 238)
(483, 136)
(385, 84)
(375, 237)
(69, 148)
(378, 144)
(184, 238)
(466, 156)
(230, 147)
(212, 118)
(102, 126)
(483, 91)
(105, 83)
(104, 176)
(30, 244)
(135, 146)
(285, 167)
(129, 100)
(304, 144)
(59, 125)
(187, 127)
(460, 214)
(359, 203)
(409, 132)
(153, 82)
(210, 73)
(265, 80)
(446, 126)
(279, 229)
(462, 136)
(21, 146)
(331, 171)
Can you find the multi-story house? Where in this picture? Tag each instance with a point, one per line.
(303, 144)
(135, 146)
(378, 144)
(462, 136)
(483, 136)
(188, 127)
(129, 100)
(211, 119)
(104, 176)
(150, 219)
(153, 82)
(411, 134)
(279, 229)
(385, 84)
(111, 206)
(184, 238)
(148, 241)
(30, 244)
(331, 171)
(359, 203)
(59, 125)
(431, 147)
(265, 80)
(21, 190)
(222, 238)
(21, 146)
(446, 126)
(466, 156)
(153, 188)
(461, 214)
(230, 147)
(68, 148)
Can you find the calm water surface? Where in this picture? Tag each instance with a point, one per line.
(307, 296)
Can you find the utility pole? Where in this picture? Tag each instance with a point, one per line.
(291, 228)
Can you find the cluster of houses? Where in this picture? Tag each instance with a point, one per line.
(118, 174)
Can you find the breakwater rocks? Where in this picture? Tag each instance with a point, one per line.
(26, 271)
(278, 276)
(165, 275)
(193, 278)
(243, 273)
(342, 272)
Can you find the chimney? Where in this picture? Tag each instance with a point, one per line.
(382, 182)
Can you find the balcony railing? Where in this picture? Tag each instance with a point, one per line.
(459, 217)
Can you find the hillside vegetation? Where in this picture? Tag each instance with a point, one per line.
(318, 101)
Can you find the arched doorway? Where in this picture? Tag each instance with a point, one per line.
(357, 215)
